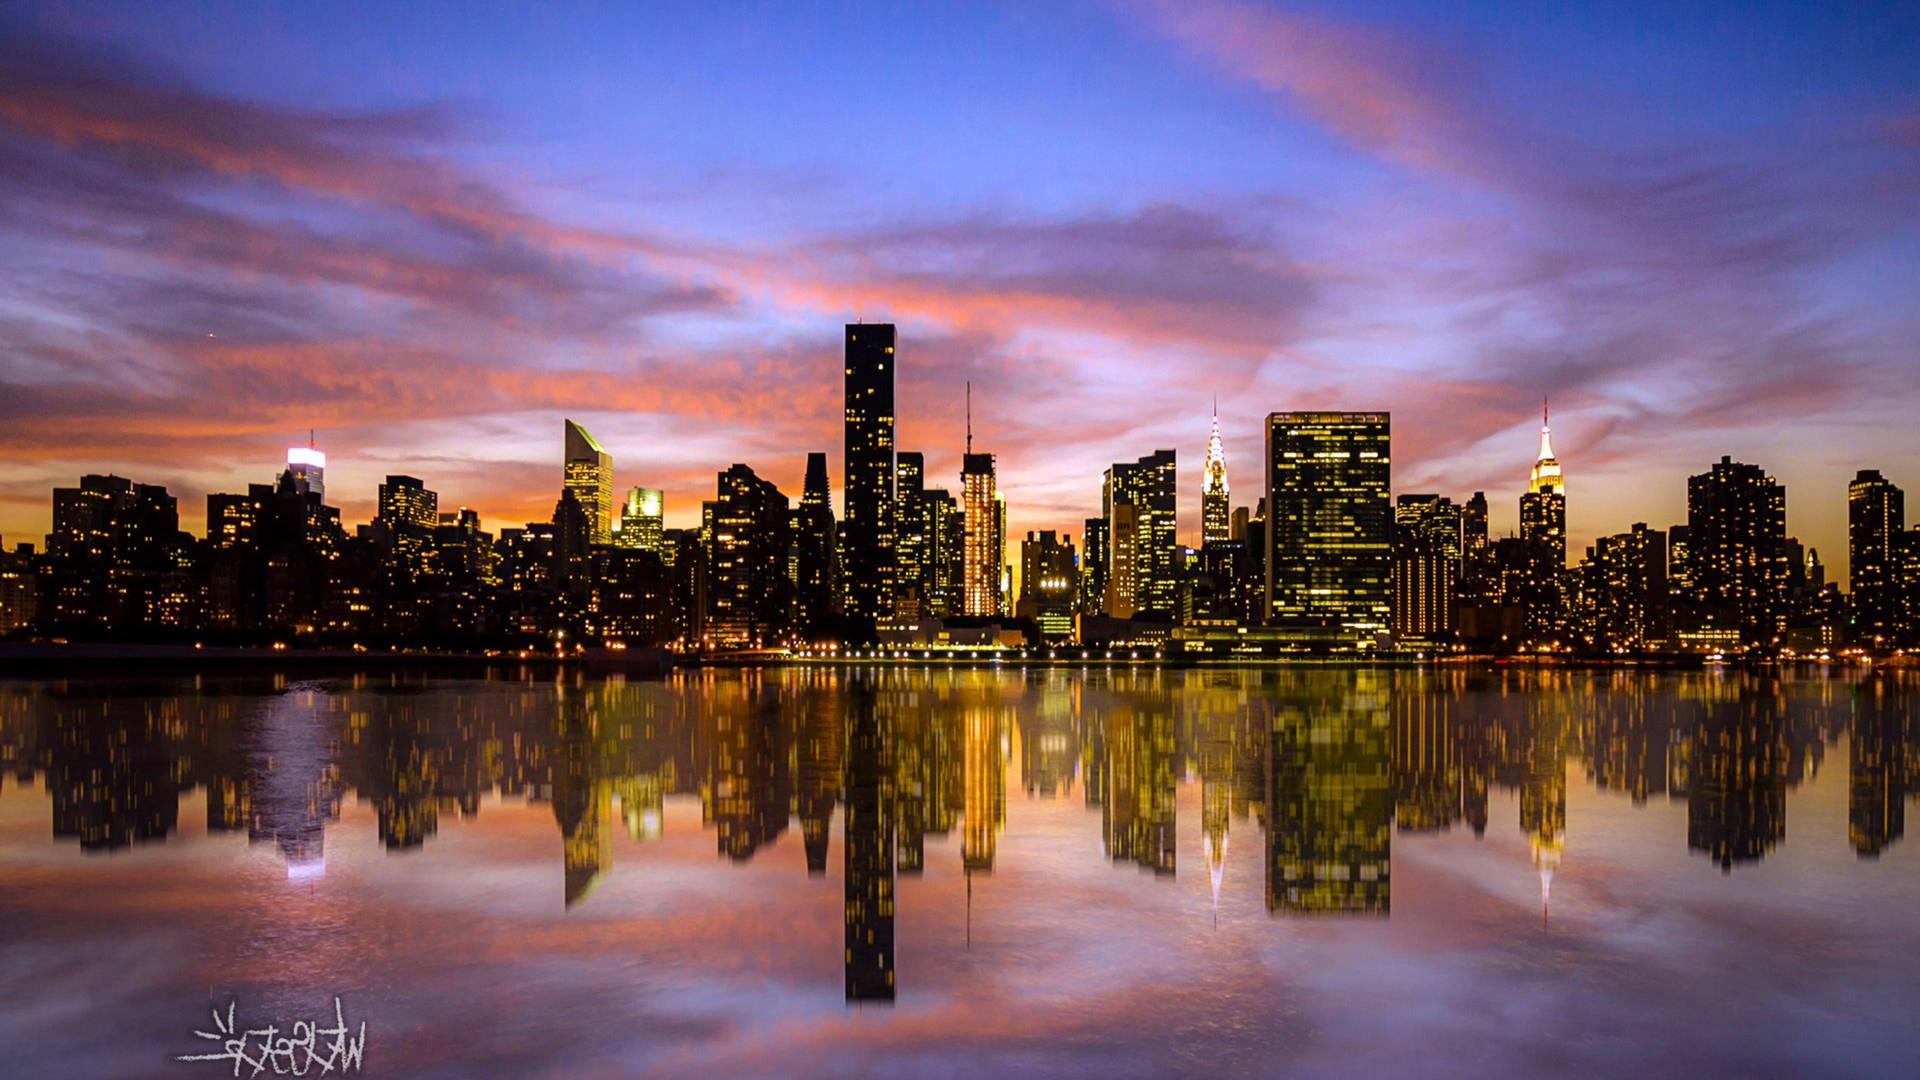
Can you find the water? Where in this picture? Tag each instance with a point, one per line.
(897, 871)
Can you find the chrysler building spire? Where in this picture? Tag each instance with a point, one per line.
(1214, 513)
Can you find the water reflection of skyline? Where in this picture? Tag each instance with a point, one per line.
(1319, 766)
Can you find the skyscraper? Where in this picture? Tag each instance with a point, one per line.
(1094, 561)
(1546, 468)
(1329, 524)
(308, 467)
(406, 499)
(1543, 530)
(1426, 567)
(751, 588)
(1876, 518)
(912, 542)
(1215, 515)
(1140, 498)
(946, 546)
(1629, 583)
(816, 572)
(1737, 533)
(867, 555)
(588, 473)
(980, 557)
(1047, 582)
(642, 520)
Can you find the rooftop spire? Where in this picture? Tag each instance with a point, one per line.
(1546, 468)
(969, 416)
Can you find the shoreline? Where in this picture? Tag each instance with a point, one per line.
(18, 659)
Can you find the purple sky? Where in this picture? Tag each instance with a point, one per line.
(432, 232)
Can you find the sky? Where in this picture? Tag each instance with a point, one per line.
(429, 232)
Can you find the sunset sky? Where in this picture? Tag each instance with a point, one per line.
(431, 231)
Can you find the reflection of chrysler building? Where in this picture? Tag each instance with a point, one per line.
(1215, 517)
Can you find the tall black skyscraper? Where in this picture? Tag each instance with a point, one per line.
(750, 542)
(912, 540)
(1876, 516)
(867, 556)
(816, 574)
(1737, 526)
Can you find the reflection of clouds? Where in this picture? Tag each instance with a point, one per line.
(684, 963)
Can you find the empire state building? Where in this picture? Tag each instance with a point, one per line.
(1546, 471)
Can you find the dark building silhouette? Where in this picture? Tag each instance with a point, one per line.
(913, 540)
(1737, 532)
(816, 552)
(867, 554)
(1626, 589)
(1095, 555)
(1876, 526)
(751, 587)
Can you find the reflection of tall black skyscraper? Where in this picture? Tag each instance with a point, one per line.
(113, 774)
(1737, 791)
(1330, 804)
(869, 847)
(867, 554)
(403, 795)
(1629, 747)
(819, 779)
(751, 787)
(1878, 782)
(582, 801)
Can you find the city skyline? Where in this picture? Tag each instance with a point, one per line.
(1334, 214)
(608, 477)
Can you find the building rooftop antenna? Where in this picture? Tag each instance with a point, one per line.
(969, 416)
